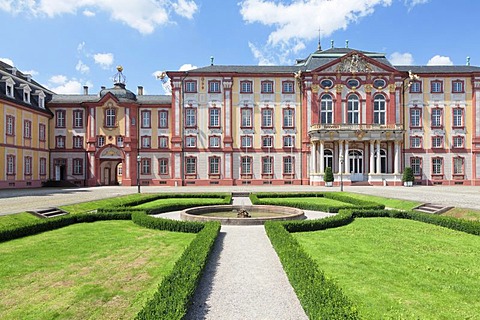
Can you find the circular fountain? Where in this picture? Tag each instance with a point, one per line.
(241, 214)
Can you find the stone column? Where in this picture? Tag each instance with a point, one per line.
(322, 157)
(372, 157)
(340, 154)
(379, 163)
(397, 158)
(347, 160)
(314, 157)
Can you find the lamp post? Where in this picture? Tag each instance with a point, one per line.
(139, 160)
(341, 172)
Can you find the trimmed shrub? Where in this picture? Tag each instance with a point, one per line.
(172, 298)
(320, 297)
(408, 175)
(328, 177)
(147, 221)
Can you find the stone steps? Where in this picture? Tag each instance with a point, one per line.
(51, 212)
(240, 194)
(432, 208)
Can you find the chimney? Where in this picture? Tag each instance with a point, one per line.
(29, 77)
(85, 90)
(331, 43)
(211, 60)
(140, 91)
(103, 87)
(346, 44)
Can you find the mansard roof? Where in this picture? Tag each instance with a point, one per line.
(245, 69)
(93, 98)
(438, 69)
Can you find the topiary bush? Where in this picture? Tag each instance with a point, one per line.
(328, 176)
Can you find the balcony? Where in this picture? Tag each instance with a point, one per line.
(357, 132)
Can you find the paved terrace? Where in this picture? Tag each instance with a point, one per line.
(19, 200)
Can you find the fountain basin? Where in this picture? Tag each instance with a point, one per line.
(227, 214)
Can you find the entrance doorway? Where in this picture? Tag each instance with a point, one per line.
(355, 158)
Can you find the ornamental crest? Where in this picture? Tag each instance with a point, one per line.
(353, 64)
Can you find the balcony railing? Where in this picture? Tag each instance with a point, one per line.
(364, 127)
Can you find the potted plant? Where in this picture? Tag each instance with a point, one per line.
(328, 177)
(408, 177)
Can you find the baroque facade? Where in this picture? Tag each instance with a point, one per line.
(346, 109)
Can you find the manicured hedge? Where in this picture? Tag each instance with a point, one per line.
(227, 198)
(147, 221)
(320, 297)
(259, 198)
(172, 298)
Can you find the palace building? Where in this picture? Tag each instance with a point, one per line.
(342, 108)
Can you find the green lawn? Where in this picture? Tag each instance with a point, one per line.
(83, 207)
(17, 219)
(174, 201)
(307, 200)
(388, 202)
(101, 270)
(462, 213)
(401, 269)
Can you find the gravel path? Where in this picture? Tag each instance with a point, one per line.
(244, 279)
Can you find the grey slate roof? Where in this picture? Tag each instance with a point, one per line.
(439, 69)
(245, 69)
(78, 98)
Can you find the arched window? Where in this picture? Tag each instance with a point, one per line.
(328, 159)
(379, 109)
(383, 160)
(353, 109)
(326, 112)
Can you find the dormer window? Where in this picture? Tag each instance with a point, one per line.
(26, 92)
(41, 98)
(9, 90)
(9, 83)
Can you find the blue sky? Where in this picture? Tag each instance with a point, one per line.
(70, 43)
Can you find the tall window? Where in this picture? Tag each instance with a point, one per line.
(458, 142)
(326, 111)
(458, 167)
(267, 141)
(288, 87)
(436, 117)
(416, 165)
(288, 167)
(100, 141)
(267, 165)
(415, 142)
(10, 164)
(437, 166)
(146, 142)
(146, 166)
(60, 118)
(327, 159)
(457, 86)
(41, 132)
(60, 142)
(28, 166)
(353, 109)
(415, 117)
(77, 166)
(77, 142)
(43, 166)
(288, 141)
(190, 86)
(214, 141)
(267, 86)
(146, 119)
(163, 166)
(190, 141)
(214, 117)
(436, 86)
(190, 118)
(214, 86)
(246, 141)
(247, 115)
(9, 90)
(457, 117)
(246, 165)
(379, 109)
(163, 142)
(416, 87)
(288, 118)
(27, 129)
(110, 117)
(214, 165)
(10, 127)
(437, 142)
(119, 141)
(78, 118)
(267, 118)
(246, 87)
(163, 119)
(191, 165)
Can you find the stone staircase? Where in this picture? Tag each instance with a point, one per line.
(432, 208)
(243, 194)
(48, 212)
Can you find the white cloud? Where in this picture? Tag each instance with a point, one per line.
(142, 15)
(82, 67)
(31, 72)
(105, 60)
(187, 66)
(81, 46)
(58, 79)
(7, 61)
(61, 84)
(88, 13)
(185, 8)
(439, 60)
(298, 21)
(401, 59)
(412, 3)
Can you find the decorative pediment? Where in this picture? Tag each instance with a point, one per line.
(354, 64)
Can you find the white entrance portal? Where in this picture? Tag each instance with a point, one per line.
(355, 158)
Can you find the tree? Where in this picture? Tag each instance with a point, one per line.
(328, 177)
(408, 175)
